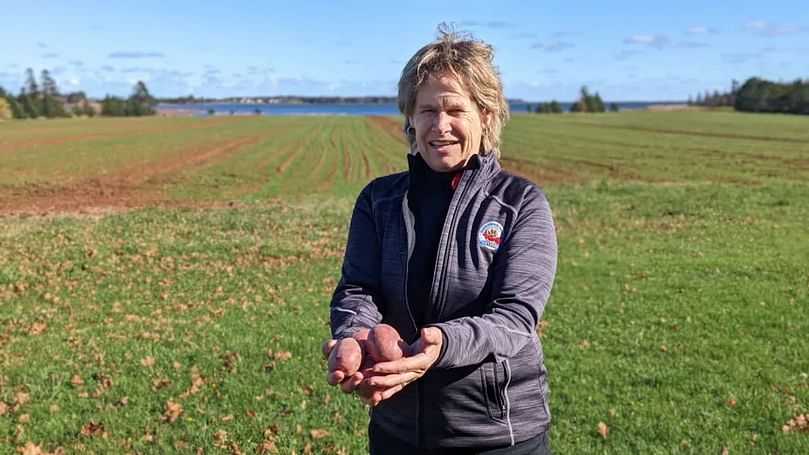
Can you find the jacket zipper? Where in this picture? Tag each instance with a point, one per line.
(407, 217)
(448, 237)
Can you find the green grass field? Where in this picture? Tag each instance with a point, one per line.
(679, 319)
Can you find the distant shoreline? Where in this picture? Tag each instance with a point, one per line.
(361, 109)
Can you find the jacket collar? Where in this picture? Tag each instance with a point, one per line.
(486, 164)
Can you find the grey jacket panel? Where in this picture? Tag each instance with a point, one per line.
(494, 271)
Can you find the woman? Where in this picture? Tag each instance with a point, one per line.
(459, 256)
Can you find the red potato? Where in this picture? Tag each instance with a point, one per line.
(384, 344)
(361, 335)
(346, 356)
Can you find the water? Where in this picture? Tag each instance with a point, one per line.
(285, 109)
(349, 109)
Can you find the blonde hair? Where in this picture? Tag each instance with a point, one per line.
(470, 62)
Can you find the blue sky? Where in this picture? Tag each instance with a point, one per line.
(625, 50)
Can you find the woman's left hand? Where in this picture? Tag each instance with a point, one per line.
(391, 377)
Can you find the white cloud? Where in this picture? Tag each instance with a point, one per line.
(764, 28)
(736, 58)
(700, 30)
(552, 45)
(135, 54)
(490, 24)
(658, 41)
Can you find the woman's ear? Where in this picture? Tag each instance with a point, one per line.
(486, 120)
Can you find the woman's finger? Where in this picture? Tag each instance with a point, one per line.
(327, 348)
(335, 377)
(418, 362)
(390, 392)
(350, 384)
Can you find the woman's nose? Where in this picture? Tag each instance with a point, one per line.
(441, 123)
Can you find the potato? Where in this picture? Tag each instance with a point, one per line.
(346, 356)
(384, 343)
(361, 335)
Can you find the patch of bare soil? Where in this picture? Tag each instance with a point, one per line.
(138, 186)
(697, 133)
(539, 174)
(390, 126)
(68, 139)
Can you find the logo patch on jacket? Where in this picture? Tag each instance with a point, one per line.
(489, 235)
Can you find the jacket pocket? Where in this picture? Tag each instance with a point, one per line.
(494, 379)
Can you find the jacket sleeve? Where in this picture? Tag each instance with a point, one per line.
(354, 304)
(521, 284)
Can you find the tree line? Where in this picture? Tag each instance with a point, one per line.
(760, 95)
(586, 103)
(42, 99)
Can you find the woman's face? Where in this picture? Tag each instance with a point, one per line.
(448, 124)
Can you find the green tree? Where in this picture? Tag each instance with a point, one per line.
(31, 86)
(29, 98)
(141, 102)
(112, 106)
(87, 110)
(597, 103)
(5, 110)
(28, 104)
(586, 100)
(76, 97)
(50, 100)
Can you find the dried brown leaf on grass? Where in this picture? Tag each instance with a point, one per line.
(172, 412)
(104, 385)
(20, 398)
(37, 328)
(318, 433)
(797, 424)
(603, 430)
(160, 383)
(147, 361)
(229, 361)
(30, 449)
(93, 429)
(267, 447)
(197, 381)
(283, 355)
(35, 449)
(543, 326)
(220, 439)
